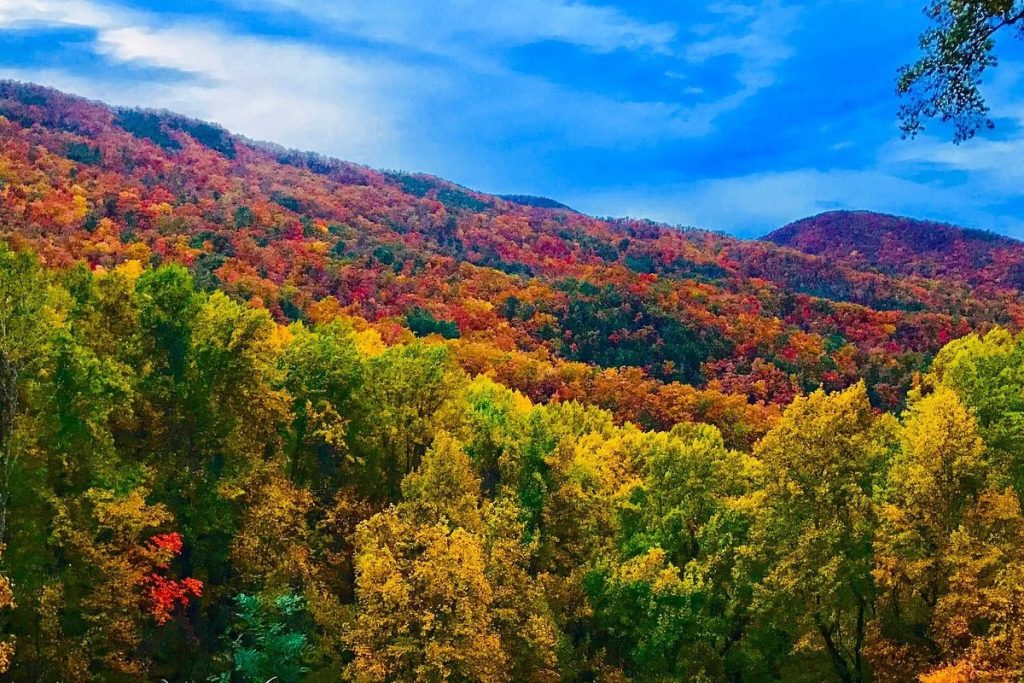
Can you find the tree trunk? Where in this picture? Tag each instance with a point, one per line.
(838, 663)
(858, 647)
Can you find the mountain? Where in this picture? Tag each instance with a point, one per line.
(653, 322)
(903, 246)
(268, 415)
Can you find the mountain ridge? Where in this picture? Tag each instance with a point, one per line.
(548, 300)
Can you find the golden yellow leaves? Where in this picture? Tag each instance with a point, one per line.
(445, 487)
(981, 618)
(6, 602)
(271, 547)
(424, 605)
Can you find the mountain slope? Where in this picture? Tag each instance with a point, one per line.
(623, 313)
(904, 246)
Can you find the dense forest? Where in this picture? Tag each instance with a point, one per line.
(267, 415)
(654, 323)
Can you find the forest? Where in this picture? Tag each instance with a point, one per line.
(266, 415)
(196, 492)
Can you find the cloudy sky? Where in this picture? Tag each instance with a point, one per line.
(735, 115)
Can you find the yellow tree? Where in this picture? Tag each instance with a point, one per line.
(588, 468)
(444, 488)
(115, 587)
(979, 621)
(423, 604)
(423, 596)
(271, 547)
(816, 525)
(519, 609)
(443, 584)
(934, 478)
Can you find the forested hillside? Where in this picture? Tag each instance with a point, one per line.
(267, 415)
(551, 302)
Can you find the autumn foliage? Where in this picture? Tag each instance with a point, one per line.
(268, 415)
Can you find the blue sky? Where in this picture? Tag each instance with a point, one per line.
(737, 115)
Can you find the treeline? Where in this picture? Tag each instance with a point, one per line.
(193, 492)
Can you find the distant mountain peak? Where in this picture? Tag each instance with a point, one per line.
(898, 245)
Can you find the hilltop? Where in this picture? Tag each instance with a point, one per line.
(903, 246)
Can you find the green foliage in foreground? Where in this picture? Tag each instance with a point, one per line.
(195, 492)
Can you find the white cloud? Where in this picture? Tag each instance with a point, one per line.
(270, 89)
(755, 35)
(83, 13)
(365, 106)
(450, 26)
(758, 39)
(287, 92)
(972, 184)
(997, 160)
(473, 33)
(754, 204)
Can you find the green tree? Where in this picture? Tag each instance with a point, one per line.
(423, 323)
(672, 602)
(226, 427)
(496, 434)
(26, 329)
(322, 371)
(268, 640)
(404, 396)
(988, 375)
